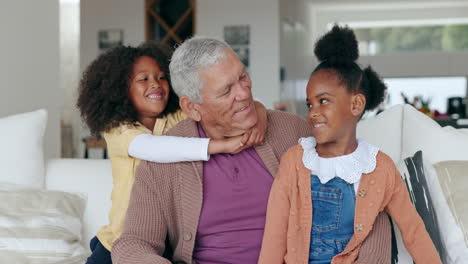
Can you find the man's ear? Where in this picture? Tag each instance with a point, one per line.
(358, 104)
(190, 108)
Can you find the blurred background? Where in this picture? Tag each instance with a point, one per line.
(419, 47)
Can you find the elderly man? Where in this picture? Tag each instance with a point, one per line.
(214, 211)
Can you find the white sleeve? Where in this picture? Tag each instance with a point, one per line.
(166, 149)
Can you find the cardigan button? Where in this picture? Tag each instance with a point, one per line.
(362, 193)
(372, 182)
(187, 236)
(359, 227)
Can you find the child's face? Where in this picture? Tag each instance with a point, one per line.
(329, 104)
(149, 88)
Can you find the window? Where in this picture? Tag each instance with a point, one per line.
(435, 89)
(386, 40)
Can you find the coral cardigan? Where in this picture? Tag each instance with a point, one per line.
(289, 213)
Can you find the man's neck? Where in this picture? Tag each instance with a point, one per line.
(215, 132)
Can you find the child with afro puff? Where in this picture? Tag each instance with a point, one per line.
(330, 188)
(125, 94)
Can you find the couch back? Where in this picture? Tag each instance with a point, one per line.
(384, 131)
(90, 177)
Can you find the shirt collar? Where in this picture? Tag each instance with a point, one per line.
(348, 167)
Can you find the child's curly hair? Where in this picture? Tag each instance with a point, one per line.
(338, 52)
(104, 100)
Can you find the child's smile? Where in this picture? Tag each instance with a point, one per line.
(149, 90)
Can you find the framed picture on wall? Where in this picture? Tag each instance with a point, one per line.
(109, 38)
(238, 37)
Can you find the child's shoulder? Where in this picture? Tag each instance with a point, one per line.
(385, 164)
(124, 127)
(294, 153)
(125, 130)
(383, 158)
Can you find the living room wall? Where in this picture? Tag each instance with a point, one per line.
(124, 15)
(29, 65)
(263, 18)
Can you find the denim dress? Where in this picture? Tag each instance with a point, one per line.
(333, 206)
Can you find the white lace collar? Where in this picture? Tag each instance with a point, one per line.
(348, 167)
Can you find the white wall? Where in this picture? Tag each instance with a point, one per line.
(109, 14)
(128, 15)
(69, 74)
(29, 64)
(263, 18)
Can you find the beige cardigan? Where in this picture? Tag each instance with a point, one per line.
(289, 215)
(166, 198)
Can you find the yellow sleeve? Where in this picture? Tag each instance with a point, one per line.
(118, 139)
(174, 118)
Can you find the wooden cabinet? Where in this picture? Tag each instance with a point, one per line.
(169, 22)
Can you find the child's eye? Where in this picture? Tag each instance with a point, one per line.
(143, 79)
(162, 78)
(308, 105)
(323, 101)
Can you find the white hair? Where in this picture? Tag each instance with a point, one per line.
(193, 55)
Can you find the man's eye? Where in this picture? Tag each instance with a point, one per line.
(323, 100)
(142, 79)
(227, 91)
(162, 77)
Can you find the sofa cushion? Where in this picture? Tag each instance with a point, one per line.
(22, 158)
(39, 226)
(413, 174)
(437, 143)
(384, 131)
(453, 179)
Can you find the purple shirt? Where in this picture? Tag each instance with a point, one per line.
(235, 196)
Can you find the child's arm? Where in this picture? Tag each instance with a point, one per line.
(415, 236)
(166, 149)
(274, 245)
(177, 149)
(252, 137)
(259, 130)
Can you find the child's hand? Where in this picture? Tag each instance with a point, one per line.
(257, 133)
(230, 145)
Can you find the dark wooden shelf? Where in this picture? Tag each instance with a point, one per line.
(456, 123)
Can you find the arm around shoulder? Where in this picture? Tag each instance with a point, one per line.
(167, 149)
(145, 230)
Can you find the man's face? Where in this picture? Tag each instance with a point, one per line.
(227, 107)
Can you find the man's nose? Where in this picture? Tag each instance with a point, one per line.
(242, 92)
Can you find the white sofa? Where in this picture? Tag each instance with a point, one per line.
(399, 131)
